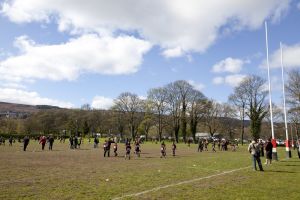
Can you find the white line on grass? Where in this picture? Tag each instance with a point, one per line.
(179, 183)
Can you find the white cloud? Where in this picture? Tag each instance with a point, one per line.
(234, 80)
(85, 54)
(291, 55)
(100, 102)
(196, 86)
(298, 5)
(231, 80)
(192, 26)
(32, 98)
(218, 80)
(229, 65)
(12, 85)
(171, 53)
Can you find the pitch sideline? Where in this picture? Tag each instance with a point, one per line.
(179, 183)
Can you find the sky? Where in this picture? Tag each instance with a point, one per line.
(71, 52)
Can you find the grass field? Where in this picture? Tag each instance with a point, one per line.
(85, 174)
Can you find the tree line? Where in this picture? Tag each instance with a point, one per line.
(175, 110)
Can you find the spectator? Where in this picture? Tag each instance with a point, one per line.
(43, 142)
(51, 141)
(254, 150)
(268, 148)
(26, 142)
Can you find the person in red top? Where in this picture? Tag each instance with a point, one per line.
(43, 142)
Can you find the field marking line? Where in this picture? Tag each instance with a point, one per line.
(184, 182)
(179, 183)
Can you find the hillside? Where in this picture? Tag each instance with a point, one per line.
(13, 107)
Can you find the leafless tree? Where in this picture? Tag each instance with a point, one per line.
(157, 99)
(196, 110)
(293, 88)
(173, 107)
(213, 111)
(131, 104)
(184, 89)
(238, 99)
(253, 89)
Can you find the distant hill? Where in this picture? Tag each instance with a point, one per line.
(13, 107)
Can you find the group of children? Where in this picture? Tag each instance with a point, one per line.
(107, 146)
(137, 149)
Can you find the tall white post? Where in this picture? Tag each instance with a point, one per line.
(287, 143)
(274, 150)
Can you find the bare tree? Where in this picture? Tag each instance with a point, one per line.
(184, 89)
(86, 107)
(147, 119)
(228, 120)
(131, 104)
(173, 107)
(196, 110)
(239, 98)
(119, 118)
(253, 87)
(293, 88)
(212, 115)
(294, 117)
(293, 98)
(157, 98)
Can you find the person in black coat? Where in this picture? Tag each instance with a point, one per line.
(26, 142)
(10, 140)
(268, 148)
(108, 145)
(71, 142)
(51, 141)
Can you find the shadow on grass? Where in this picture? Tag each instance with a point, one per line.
(292, 165)
(279, 171)
(286, 161)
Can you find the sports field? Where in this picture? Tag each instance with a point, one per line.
(85, 174)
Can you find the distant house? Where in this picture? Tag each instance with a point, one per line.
(207, 135)
(11, 114)
(202, 135)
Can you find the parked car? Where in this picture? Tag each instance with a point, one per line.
(280, 143)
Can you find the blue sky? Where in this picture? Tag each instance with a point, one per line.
(68, 53)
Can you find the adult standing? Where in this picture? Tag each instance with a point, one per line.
(76, 142)
(96, 142)
(254, 150)
(261, 145)
(51, 141)
(109, 142)
(71, 142)
(43, 142)
(200, 145)
(10, 140)
(26, 142)
(298, 148)
(268, 148)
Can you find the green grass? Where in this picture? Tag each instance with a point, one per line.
(82, 174)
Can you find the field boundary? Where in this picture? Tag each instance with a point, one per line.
(179, 183)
